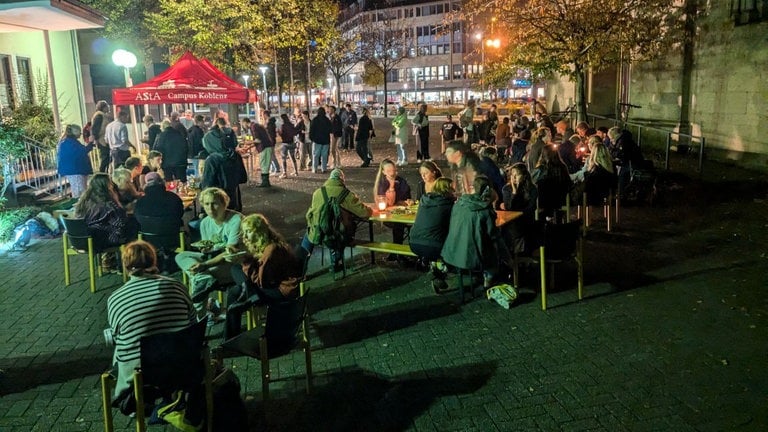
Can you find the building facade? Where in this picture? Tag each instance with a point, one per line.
(444, 61)
(39, 53)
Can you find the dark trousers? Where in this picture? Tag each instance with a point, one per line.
(348, 138)
(103, 158)
(362, 151)
(119, 156)
(423, 152)
(241, 297)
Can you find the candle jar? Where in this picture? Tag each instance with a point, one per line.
(381, 202)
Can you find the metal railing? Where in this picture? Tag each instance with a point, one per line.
(640, 127)
(37, 170)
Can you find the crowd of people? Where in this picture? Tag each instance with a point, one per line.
(513, 163)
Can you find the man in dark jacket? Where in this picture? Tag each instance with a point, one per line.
(338, 131)
(195, 137)
(350, 121)
(321, 134)
(158, 202)
(174, 148)
(364, 133)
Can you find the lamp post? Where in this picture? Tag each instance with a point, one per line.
(415, 83)
(127, 60)
(246, 77)
(351, 87)
(263, 70)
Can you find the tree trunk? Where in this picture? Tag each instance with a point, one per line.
(581, 93)
(338, 89)
(386, 99)
(307, 89)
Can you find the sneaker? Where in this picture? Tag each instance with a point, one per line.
(282, 175)
(418, 160)
(201, 289)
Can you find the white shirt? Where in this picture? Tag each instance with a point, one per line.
(116, 135)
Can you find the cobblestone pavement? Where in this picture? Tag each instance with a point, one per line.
(671, 334)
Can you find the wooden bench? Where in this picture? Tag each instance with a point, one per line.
(393, 248)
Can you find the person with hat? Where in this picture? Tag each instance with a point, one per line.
(334, 187)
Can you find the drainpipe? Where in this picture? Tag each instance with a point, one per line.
(54, 97)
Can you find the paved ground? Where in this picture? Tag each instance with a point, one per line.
(671, 335)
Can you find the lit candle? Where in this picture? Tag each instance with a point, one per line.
(382, 206)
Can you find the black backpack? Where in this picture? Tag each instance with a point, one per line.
(331, 227)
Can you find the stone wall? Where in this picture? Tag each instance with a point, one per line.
(729, 88)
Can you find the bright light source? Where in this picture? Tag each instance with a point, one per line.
(263, 69)
(124, 58)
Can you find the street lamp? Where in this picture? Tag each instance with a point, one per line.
(246, 77)
(415, 83)
(127, 60)
(263, 70)
(351, 86)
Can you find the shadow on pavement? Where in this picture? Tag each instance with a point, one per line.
(361, 400)
(32, 372)
(363, 325)
(359, 283)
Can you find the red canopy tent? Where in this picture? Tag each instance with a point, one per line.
(189, 80)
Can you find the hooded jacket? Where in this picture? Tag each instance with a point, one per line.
(432, 220)
(471, 241)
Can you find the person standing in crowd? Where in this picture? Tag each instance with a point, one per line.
(305, 144)
(449, 131)
(153, 130)
(420, 124)
(288, 135)
(196, 134)
(467, 122)
(116, 135)
(224, 168)
(364, 134)
(350, 124)
(176, 123)
(264, 146)
(73, 161)
(174, 148)
(321, 134)
(99, 123)
(274, 167)
(400, 123)
(338, 130)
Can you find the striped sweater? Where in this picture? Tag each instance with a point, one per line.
(144, 306)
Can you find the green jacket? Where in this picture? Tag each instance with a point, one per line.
(471, 241)
(351, 203)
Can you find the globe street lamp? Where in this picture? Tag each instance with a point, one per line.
(263, 70)
(127, 60)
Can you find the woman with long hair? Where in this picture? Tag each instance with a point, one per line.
(287, 134)
(269, 272)
(107, 221)
(520, 194)
(73, 161)
(430, 228)
(552, 180)
(429, 174)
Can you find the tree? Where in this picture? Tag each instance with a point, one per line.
(573, 36)
(372, 76)
(383, 43)
(340, 54)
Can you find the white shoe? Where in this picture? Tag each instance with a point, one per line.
(282, 175)
(418, 160)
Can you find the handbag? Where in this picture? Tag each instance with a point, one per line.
(415, 130)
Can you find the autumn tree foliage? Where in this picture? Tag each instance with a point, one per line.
(572, 37)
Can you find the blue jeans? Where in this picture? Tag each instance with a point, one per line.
(320, 156)
(401, 158)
